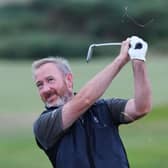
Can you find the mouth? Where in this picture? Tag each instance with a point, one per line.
(54, 99)
(50, 97)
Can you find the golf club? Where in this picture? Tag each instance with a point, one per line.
(91, 47)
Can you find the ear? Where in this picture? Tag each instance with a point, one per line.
(69, 80)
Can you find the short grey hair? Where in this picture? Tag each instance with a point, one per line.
(61, 63)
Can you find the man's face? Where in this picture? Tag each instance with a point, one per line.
(54, 87)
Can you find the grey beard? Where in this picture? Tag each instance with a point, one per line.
(60, 100)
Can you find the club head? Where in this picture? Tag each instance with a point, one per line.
(90, 52)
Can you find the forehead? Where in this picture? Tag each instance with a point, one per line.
(48, 69)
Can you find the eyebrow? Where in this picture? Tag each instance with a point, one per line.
(50, 76)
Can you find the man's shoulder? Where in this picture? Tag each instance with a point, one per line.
(104, 103)
(106, 100)
(48, 127)
(99, 102)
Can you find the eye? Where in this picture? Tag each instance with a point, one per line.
(39, 85)
(51, 79)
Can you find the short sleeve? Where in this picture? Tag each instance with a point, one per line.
(116, 107)
(48, 127)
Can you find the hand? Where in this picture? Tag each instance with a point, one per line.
(124, 50)
(138, 48)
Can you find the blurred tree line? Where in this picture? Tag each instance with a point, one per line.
(67, 27)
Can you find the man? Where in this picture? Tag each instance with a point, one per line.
(80, 130)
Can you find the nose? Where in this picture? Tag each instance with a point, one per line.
(46, 88)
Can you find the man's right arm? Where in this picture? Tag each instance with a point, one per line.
(94, 89)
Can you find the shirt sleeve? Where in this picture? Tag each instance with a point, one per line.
(116, 107)
(48, 127)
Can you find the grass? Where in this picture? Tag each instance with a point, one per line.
(21, 151)
(146, 140)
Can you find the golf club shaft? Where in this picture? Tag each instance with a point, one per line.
(106, 44)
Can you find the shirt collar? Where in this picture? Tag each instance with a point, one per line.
(52, 107)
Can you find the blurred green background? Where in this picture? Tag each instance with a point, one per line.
(31, 29)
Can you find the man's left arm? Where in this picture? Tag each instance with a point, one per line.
(141, 104)
(142, 101)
